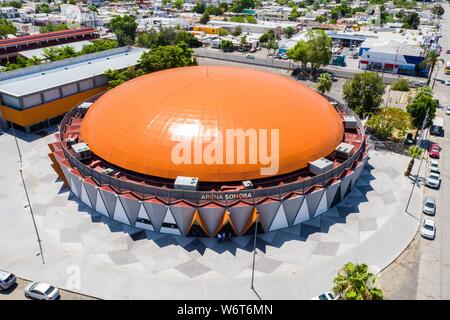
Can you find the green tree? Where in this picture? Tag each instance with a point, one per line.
(22, 62)
(223, 33)
(7, 27)
(325, 82)
(15, 4)
(204, 18)
(272, 45)
(99, 45)
(294, 14)
(124, 27)
(438, 10)
(389, 121)
(300, 54)
(59, 53)
(166, 57)
(320, 45)
(414, 152)
(411, 21)
(226, 46)
(400, 85)
(267, 36)
(199, 8)
(117, 77)
(51, 27)
(289, 31)
(178, 4)
(237, 31)
(239, 5)
(355, 282)
(431, 59)
(364, 93)
(417, 109)
(43, 8)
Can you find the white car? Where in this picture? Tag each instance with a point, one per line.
(433, 166)
(41, 291)
(429, 206)
(7, 279)
(447, 82)
(433, 180)
(325, 296)
(447, 110)
(428, 229)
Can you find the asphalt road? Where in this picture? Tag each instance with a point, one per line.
(260, 60)
(423, 270)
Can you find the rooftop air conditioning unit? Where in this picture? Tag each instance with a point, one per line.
(108, 171)
(82, 151)
(247, 184)
(320, 166)
(84, 105)
(186, 183)
(350, 122)
(70, 142)
(345, 150)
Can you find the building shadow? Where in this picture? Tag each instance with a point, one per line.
(30, 137)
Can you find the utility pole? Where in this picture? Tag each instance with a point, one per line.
(418, 143)
(26, 193)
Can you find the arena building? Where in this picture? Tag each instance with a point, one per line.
(116, 151)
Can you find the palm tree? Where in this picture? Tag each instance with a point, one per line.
(355, 282)
(325, 82)
(414, 152)
(431, 59)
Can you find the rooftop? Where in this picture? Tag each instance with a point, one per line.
(55, 74)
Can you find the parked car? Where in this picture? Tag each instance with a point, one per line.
(250, 57)
(355, 55)
(447, 110)
(448, 51)
(416, 83)
(434, 151)
(409, 139)
(429, 206)
(433, 166)
(447, 82)
(253, 50)
(428, 229)
(7, 279)
(325, 296)
(433, 180)
(41, 291)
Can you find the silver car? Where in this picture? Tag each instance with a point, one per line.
(7, 279)
(428, 229)
(433, 166)
(41, 291)
(429, 206)
(433, 180)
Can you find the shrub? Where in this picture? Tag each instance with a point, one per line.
(400, 85)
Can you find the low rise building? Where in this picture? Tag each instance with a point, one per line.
(37, 97)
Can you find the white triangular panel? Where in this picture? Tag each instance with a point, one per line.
(100, 205)
(73, 187)
(303, 214)
(280, 220)
(84, 196)
(169, 217)
(119, 213)
(142, 213)
(322, 207)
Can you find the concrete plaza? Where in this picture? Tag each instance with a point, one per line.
(88, 253)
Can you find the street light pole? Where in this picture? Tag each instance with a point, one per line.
(418, 143)
(395, 63)
(32, 216)
(17, 144)
(254, 253)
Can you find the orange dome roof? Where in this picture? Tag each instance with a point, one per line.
(137, 125)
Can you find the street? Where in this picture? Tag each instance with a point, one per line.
(423, 270)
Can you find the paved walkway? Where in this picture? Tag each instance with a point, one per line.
(86, 252)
